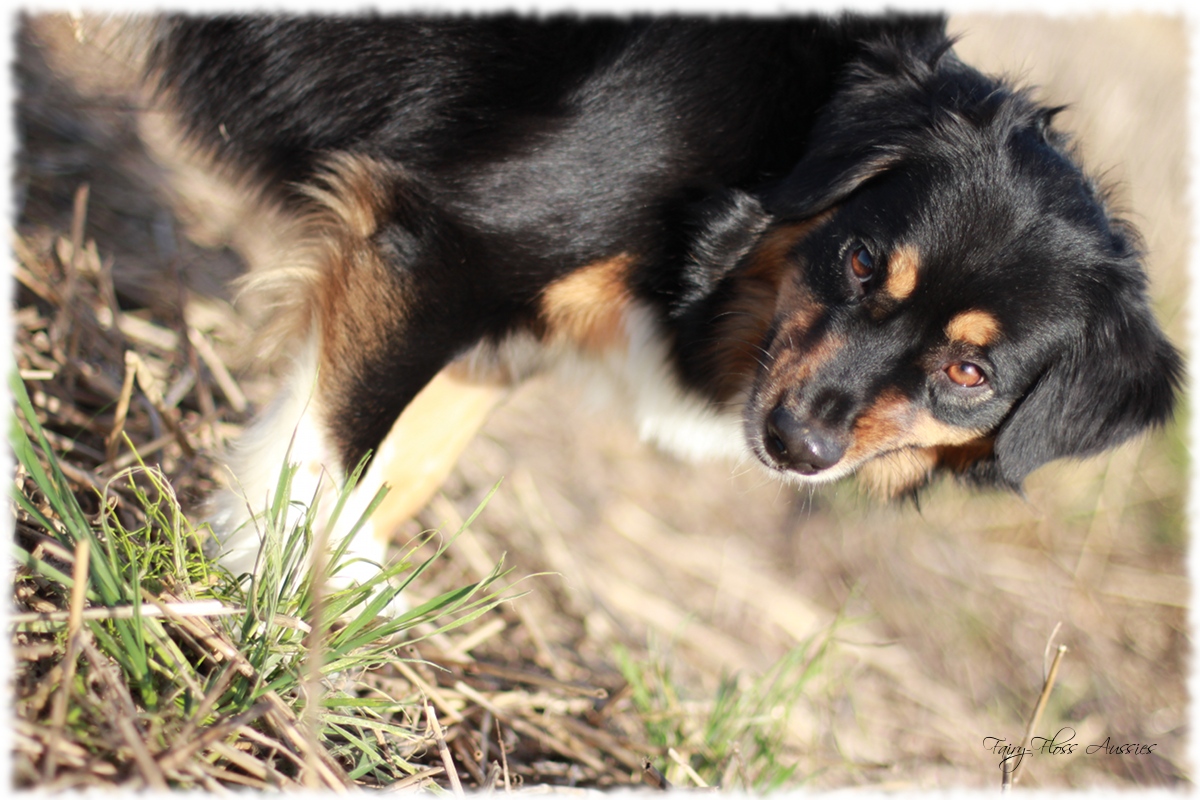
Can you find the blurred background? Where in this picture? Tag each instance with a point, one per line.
(940, 618)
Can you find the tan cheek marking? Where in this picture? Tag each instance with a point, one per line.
(800, 366)
(961, 456)
(893, 474)
(740, 332)
(930, 432)
(902, 272)
(974, 327)
(901, 471)
(766, 287)
(880, 428)
(797, 311)
(892, 423)
(795, 306)
(587, 307)
(790, 367)
(774, 252)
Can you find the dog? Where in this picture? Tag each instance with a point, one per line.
(823, 243)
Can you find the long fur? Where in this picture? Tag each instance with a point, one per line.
(825, 244)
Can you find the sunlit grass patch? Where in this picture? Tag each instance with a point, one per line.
(737, 739)
(159, 669)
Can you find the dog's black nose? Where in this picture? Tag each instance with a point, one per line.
(799, 444)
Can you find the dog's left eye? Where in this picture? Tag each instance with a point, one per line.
(861, 265)
(966, 374)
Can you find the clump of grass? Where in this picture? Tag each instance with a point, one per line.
(736, 739)
(145, 665)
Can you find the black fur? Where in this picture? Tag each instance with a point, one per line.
(524, 150)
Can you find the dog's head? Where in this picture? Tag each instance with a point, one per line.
(950, 291)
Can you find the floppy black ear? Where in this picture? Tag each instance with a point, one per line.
(821, 181)
(717, 234)
(885, 101)
(1119, 380)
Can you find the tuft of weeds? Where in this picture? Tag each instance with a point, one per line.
(154, 668)
(736, 739)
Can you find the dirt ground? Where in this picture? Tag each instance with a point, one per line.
(944, 613)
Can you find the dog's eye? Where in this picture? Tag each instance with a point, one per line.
(966, 374)
(862, 264)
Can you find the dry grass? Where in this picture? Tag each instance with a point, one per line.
(941, 615)
(73, 341)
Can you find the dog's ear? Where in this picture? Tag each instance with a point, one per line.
(716, 233)
(822, 180)
(1118, 380)
(901, 88)
(886, 102)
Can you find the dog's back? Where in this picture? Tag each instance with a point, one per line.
(824, 243)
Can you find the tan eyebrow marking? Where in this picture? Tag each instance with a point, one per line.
(902, 272)
(974, 327)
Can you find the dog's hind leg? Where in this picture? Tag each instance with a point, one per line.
(390, 300)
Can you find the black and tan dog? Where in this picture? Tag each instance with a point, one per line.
(825, 243)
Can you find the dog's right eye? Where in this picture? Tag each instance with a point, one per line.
(861, 265)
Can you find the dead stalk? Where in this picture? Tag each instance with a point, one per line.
(59, 711)
(443, 750)
(1010, 777)
(114, 438)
